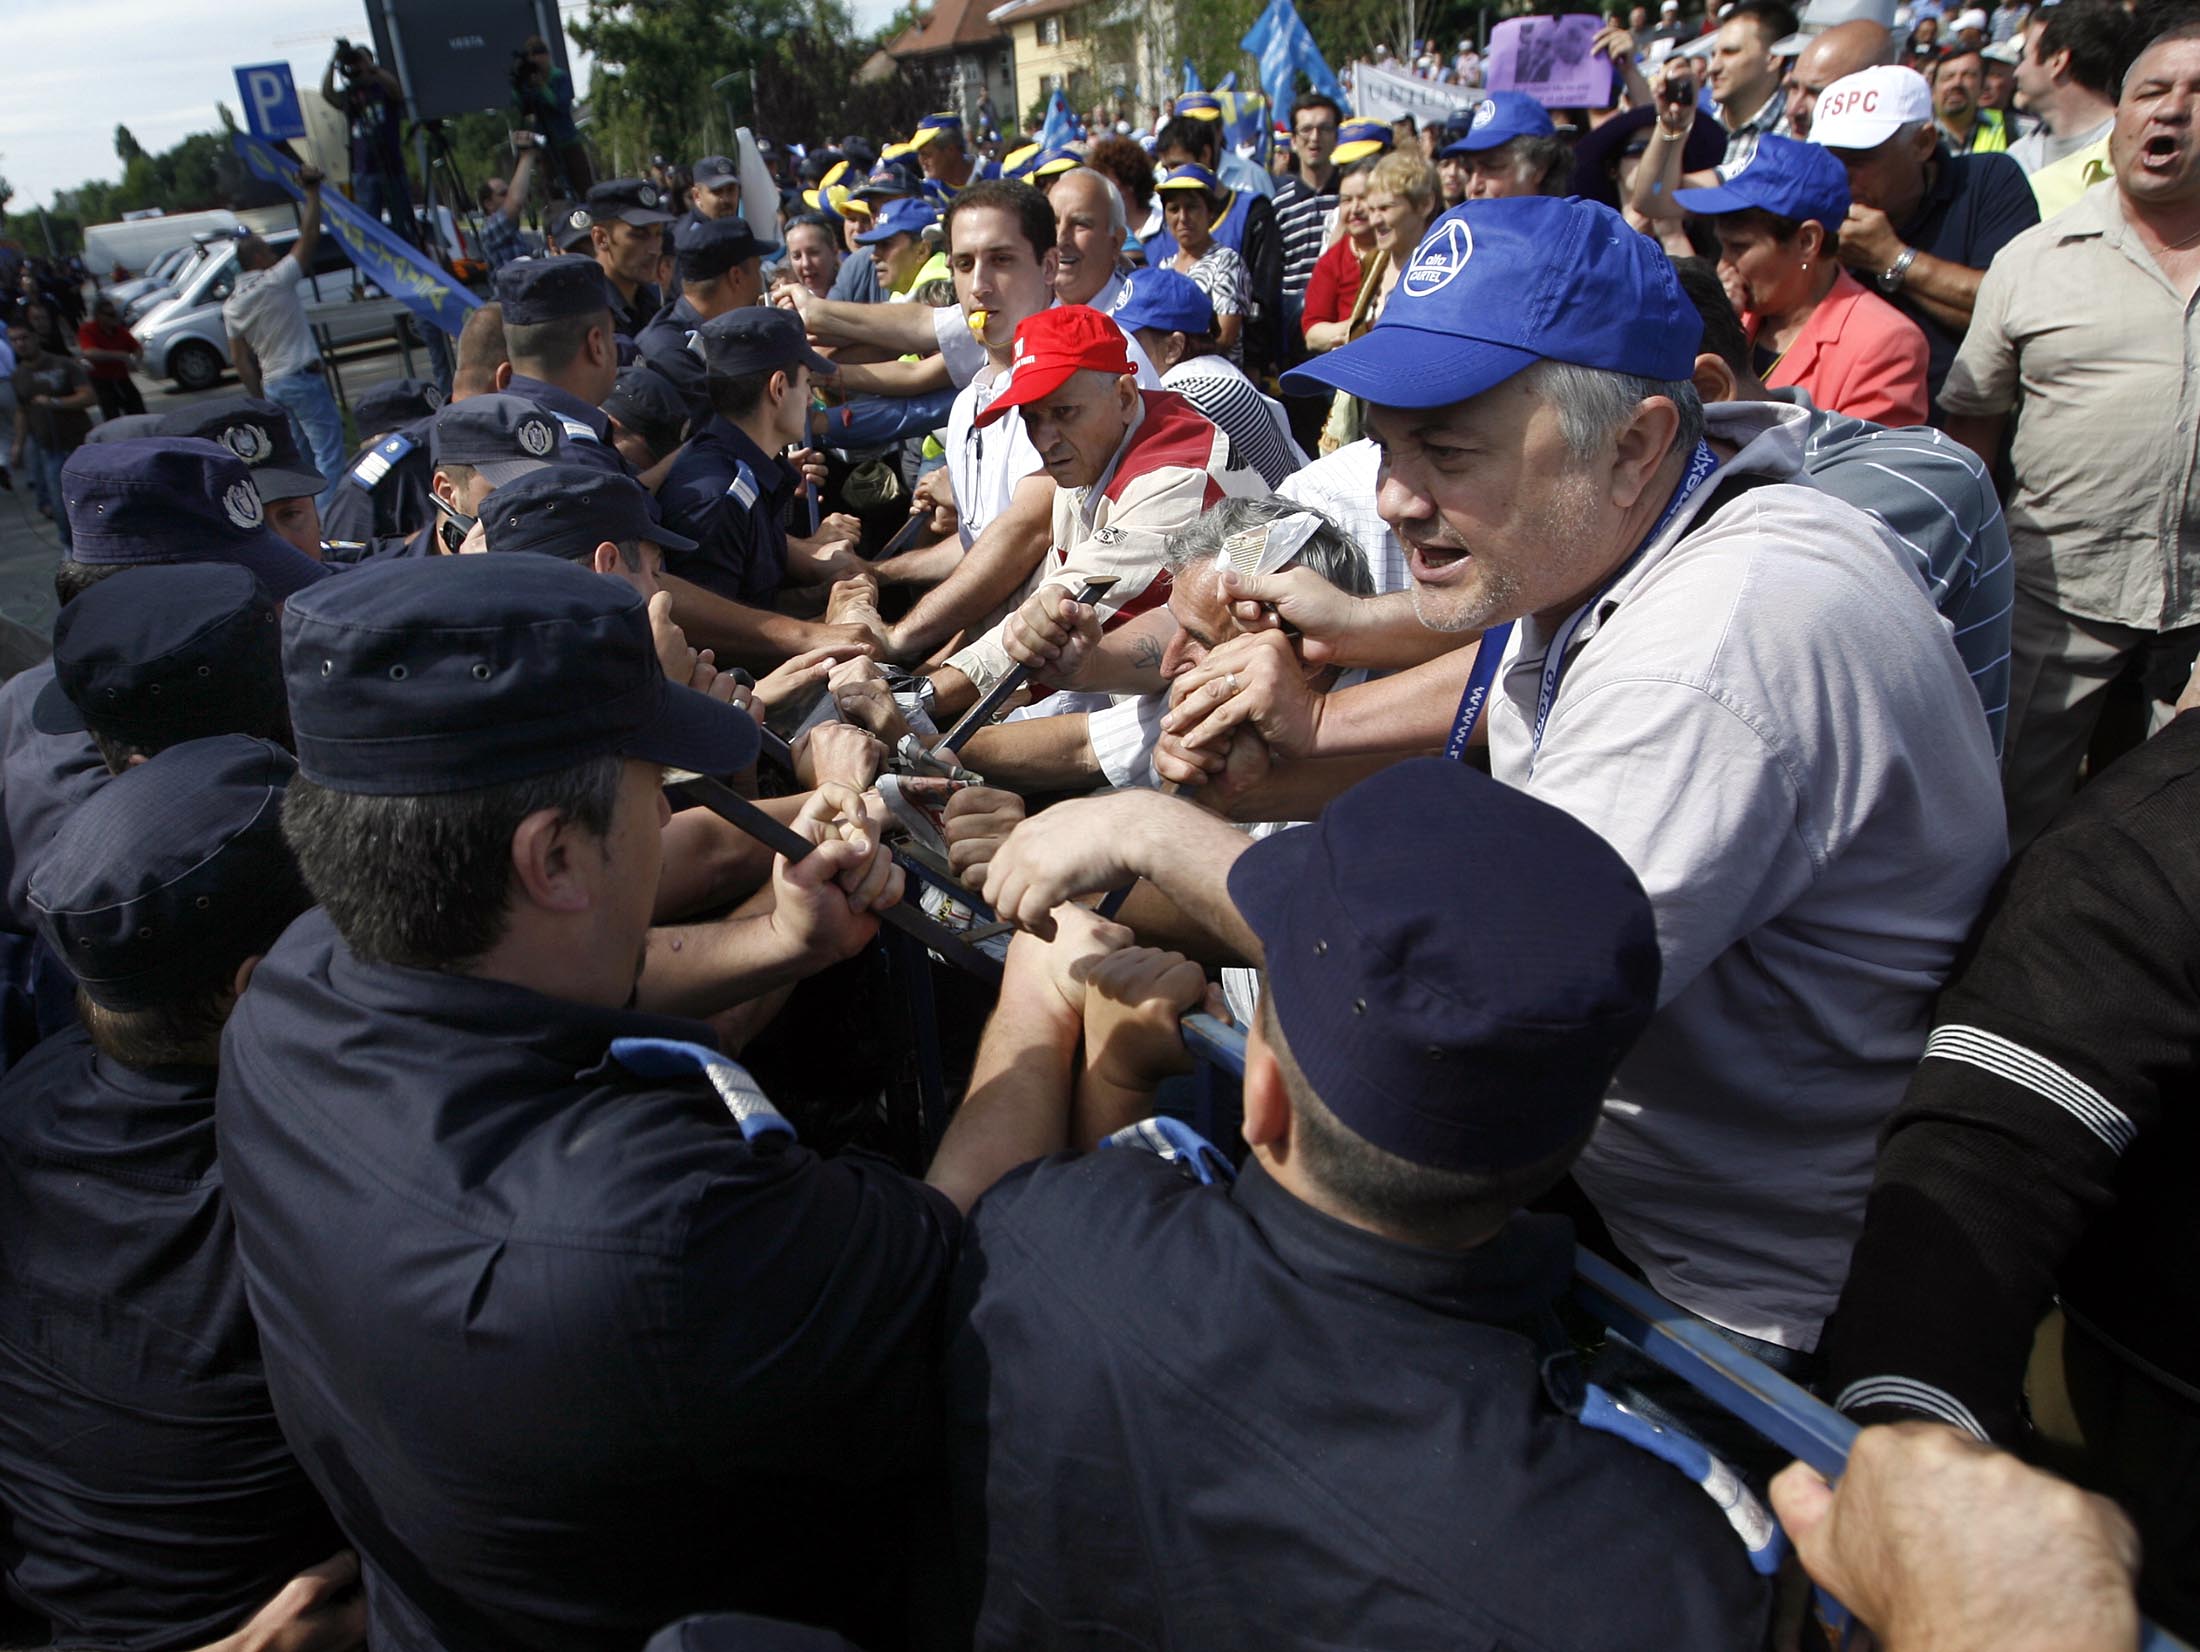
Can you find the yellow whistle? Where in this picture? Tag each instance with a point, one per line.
(978, 319)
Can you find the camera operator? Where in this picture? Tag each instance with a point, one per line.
(372, 103)
(543, 94)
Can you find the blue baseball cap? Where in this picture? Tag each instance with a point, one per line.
(1459, 1021)
(1199, 106)
(176, 499)
(172, 874)
(945, 124)
(1164, 299)
(1500, 118)
(1056, 161)
(534, 290)
(419, 675)
(161, 655)
(1192, 176)
(910, 215)
(1358, 139)
(1785, 177)
(1497, 286)
(568, 510)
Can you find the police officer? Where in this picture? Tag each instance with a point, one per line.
(624, 238)
(649, 421)
(728, 490)
(716, 190)
(582, 515)
(385, 488)
(477, 445)
(170, 654)
(565, 359)
(151, 1499)
(677, 1367)
(721, 270)
(1329, 1403)
(570, 229)
(136, 504)
(262, 434)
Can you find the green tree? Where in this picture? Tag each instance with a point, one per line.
(127, 148)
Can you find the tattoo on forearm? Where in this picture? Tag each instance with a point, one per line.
(1146, 653)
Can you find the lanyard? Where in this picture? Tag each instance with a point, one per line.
(1490, 651)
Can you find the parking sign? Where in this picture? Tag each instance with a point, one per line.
(271, 108)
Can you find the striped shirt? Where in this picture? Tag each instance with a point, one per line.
(1221, 274)
(1931, 493)
(1260, 436)
(1301, 214)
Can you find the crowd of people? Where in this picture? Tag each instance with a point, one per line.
(1643, 658)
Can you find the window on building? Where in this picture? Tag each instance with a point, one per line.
(1050, 31)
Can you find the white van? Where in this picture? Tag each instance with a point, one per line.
(186, 340)
(135, 243)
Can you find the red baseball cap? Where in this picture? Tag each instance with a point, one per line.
(1050, 346)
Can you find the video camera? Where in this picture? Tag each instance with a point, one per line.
(347, 58)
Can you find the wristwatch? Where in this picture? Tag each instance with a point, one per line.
(1891, 278)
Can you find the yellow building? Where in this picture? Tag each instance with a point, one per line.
(1096, 51)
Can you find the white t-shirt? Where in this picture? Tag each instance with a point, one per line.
(1769, 721)
(966, 358)
(985, 465)
(265, 311)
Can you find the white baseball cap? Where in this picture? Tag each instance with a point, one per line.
(1864, 110)
(1972, 19)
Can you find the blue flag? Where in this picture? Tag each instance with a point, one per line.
(398, 268)
(1192, 82)
(1061, 126)
(1284, 47)
(1228, 83)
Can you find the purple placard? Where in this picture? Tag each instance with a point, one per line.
(1549, 59)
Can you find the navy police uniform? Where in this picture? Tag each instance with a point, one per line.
(1214, 1415)
(573, 1336)
(706, 251)
(535, 290)
(632, 201)
(385, 492)
(568, 510)
(152, 1502)
(644, 403)
(724, 492)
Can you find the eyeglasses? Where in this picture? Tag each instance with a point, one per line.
(1324, 130)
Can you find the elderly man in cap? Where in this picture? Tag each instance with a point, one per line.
(1552, 473)
(714, 192)
(152, 1500)
(720, 264)
(262, 435)
(559, 334)
(625, 238)
(1510, 147)
(1326, 1400)
(488, 1182)
(1923, 224)
(1130, 467)
(384, 492)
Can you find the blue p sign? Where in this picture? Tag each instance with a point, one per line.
(270, 101)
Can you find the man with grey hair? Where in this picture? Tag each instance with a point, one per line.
(1841, 51)
(1739, 682)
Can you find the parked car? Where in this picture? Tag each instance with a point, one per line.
(134, 243)
(184, 335)
(139, 294)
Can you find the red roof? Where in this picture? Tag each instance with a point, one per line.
(949, 24)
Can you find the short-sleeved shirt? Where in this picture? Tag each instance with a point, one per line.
(1216, 1417)
(106, 335)
(567, 1356)
(1809, 903)
(151, 1498)
(730, 497)
(1974, 206)
(266, 312)
(1221, 274)
(2079, 333)
(58, 429)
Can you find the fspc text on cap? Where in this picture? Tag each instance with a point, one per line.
(423, 675)
(1497, 286)
(1458, 1021)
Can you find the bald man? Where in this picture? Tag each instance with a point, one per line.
(1841, 50)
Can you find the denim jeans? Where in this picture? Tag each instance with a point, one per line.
(305, 396)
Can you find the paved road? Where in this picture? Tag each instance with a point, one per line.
(29, 547)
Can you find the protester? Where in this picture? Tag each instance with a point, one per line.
(1745, 76)
(2073, 64)
(1244, 220)
(1845, 49)
(1192, 199)
(1966, 125)
(945, 158)
(1196, 135)
(1810, 323)
(1394, 1132)
(270, 342)
(1174, 323)
(1510, 148)
(1307, 195)
(53, 401)
(813, 252)
(1401, 200)
(109, 351)
(1340, 274)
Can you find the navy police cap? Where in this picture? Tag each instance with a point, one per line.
(532, 291)
(569, 225)
(172, 874)
(756, 339)
(421, 675)
(646, 402)
(568, 510)
(503, 436)
(631, 200)
(176, 499)
(1497, 286)
(258, 432)
(713, 170)
(156, 656)
(386, 406)
(708, 247)
(1500, 118)
(1457, 967)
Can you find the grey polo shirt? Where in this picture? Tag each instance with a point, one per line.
(1768, 720)
(2079, 332)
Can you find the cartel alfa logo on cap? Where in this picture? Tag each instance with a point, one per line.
(242, 503)
(647, 195)
(248, 442)
(1440, 259)
(534, 435)
(1484, 113)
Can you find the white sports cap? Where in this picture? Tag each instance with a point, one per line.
(1864, 110)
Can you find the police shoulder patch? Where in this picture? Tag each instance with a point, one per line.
(743, 486)
(1753, 1523)
(578, 430)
